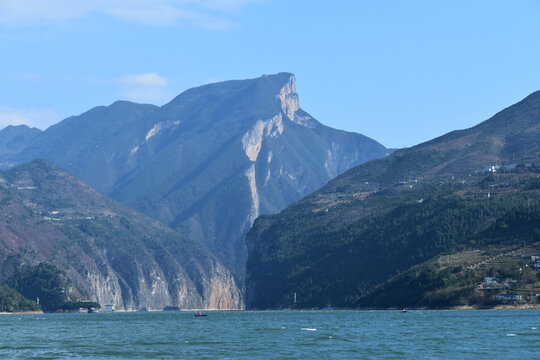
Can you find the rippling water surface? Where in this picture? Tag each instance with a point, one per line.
(482, 334)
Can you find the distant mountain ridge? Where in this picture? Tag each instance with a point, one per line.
(13, 139)
(210, 161)
(509, 137)
(381, 218)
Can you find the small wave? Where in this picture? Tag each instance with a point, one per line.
(309, 329)
(511, 334)
(534, 328)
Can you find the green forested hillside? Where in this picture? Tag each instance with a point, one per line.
(11, 301)
(337, 248)
(469, 190)
(51, 286)
(509, 250)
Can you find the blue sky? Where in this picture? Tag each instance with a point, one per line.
(401, 72)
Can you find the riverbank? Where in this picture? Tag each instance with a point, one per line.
(22, 313)
(464, 307)
(496, 307)
(461, 307)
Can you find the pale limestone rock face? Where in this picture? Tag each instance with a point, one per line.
(220, 291)
(254, 211)
(105, 289)
(274, 126)
(154, 289)
(268, 170)
(252, 143)
(253, 138)
(221, 296)
(305, 120)
(153, 131)
(290, 104)
(289, 98)
(159, 127)
(331, 164)
(268, 176)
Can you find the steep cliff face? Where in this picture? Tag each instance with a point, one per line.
(114, 255)
(210, 161)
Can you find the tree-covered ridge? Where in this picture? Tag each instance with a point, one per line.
(41, 287)
(53, 288)
(460, 279)
(336, 248)
(13, 301)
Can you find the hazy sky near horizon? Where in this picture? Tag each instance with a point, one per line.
(401, 72)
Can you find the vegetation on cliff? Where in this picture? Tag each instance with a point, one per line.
(53, 288)
(469, 190)
(13, 301)
(339, 248)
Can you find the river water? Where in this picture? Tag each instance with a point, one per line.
(480, 334)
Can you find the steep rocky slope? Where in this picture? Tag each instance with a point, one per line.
(113, 254)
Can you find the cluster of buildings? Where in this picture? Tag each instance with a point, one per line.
(493, 283)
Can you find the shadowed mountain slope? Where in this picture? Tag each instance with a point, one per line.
(13, 139)
(509, 137)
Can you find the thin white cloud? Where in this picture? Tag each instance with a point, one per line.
(40, 118)
(147, 87)
(150, 95)
(148, 79)
(212, 80)
(227, 5)
(16, 11)
(156, 14)
(31, 77)
(202, 13)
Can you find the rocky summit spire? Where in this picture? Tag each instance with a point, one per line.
(289, 98)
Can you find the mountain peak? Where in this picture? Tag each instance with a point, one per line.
(534, 96)
(14, 138)
(289, 98)
(209, 161)
(19, 128)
